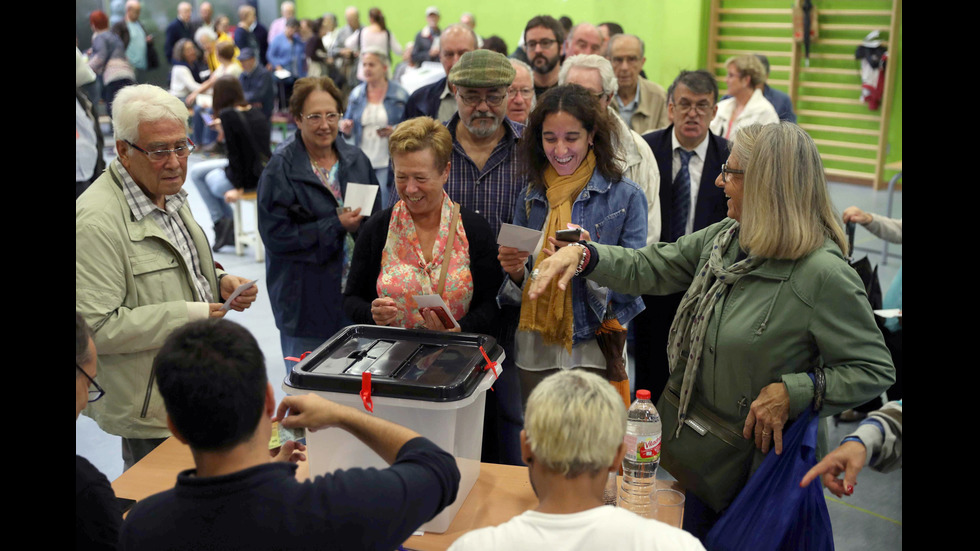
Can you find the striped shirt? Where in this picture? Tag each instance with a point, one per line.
(170, 222)
(490, 192)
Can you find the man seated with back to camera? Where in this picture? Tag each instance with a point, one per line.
(572, 439)
(213, 380)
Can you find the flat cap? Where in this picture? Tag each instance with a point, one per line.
(482, 69)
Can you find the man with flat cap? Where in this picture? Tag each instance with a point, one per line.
(485, 176)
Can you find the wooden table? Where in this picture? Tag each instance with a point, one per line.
(500, 493)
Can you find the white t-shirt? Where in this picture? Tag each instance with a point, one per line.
(603, 527)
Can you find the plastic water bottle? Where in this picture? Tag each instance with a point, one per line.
(643, 436)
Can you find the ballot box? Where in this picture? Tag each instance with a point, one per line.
(434, 383)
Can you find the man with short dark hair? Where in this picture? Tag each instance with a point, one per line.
(213, 380)
(642, 103)
(436, 100)
(569, 459)
(690, 159)
(543, 38)
(143, 266)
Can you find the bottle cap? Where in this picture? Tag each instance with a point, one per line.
(642, 394)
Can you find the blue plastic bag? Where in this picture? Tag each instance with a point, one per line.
(772, 511)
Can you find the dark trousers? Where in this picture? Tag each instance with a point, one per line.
(503, 417)
(652, 328)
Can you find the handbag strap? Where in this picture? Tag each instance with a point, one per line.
(449, 250)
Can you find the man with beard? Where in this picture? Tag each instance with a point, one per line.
(485, 176)
(543, 37)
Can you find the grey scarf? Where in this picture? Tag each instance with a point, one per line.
(690, 324)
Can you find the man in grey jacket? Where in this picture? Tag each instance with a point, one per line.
(143, 266)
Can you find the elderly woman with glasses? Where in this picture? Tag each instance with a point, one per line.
(774, 321)
(307, 232)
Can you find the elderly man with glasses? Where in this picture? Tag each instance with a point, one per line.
(485, 177)
(143, 266)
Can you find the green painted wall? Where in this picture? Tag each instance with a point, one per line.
(675, 31)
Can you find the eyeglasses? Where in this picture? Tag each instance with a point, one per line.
(545, 43)
(526, 93)
(631, 59)
(725, 171)
(160, 155)
(318, 118)
(473, 100)
(701, 107)
(98, 392)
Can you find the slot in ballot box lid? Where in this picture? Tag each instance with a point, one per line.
(404, 363)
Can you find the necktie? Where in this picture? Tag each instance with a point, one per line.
(681, 208)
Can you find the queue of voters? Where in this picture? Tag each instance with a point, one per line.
(466, 256)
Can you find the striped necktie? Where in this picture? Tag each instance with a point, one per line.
(681, 207)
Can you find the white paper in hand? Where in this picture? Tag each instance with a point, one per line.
(519, 237)
(244, 286)
(360, 196)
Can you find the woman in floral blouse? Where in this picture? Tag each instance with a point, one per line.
(401, 251)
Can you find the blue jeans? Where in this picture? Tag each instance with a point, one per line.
(210, 179)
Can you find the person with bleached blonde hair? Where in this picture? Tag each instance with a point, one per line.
(774, 321)
(572, 439)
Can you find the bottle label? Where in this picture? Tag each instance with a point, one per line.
(643, 449)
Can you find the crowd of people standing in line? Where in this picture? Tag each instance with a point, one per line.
(638, 192)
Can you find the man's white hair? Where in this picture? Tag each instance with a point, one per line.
(609, 83)
(575, 422)
(144, 103)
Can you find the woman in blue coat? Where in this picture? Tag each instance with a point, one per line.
(376, 106)
(308, 241)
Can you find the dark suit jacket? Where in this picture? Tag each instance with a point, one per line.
(425, 100)
(711, 206)
(175, 31)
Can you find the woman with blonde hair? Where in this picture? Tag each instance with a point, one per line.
(774, 321)
(745, 78)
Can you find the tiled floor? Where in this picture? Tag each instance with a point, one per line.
(869, 520)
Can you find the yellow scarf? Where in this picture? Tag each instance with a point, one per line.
(551, 313)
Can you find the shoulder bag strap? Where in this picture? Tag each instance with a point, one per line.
(448, 253)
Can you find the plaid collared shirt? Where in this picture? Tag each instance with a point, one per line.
(170, 222)
(492, 191)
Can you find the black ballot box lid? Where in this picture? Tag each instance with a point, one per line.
(404, 363)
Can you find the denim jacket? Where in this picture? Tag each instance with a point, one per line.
(613, 214)
(395, 99)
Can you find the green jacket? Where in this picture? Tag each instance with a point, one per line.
(778, 322)
(132, 287)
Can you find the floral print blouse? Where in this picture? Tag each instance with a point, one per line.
(405, 273)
